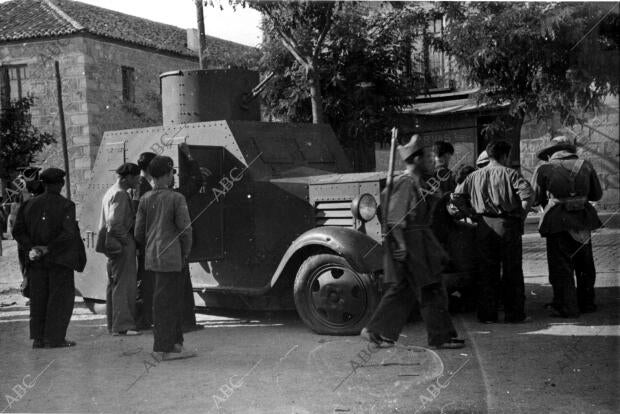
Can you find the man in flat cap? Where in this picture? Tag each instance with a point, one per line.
(501, 198)
(47, 231)
(116, 234)
(164, 228)
(146, 278)
(563, 186)
(414, 259)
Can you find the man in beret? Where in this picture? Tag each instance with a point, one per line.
(414, 259)
(116, 223)
(443, 152)
(501, 198)
(563, 186)
(145, 278)
(47, 231)
(164, 228)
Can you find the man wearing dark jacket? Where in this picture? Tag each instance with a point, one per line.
(564, 185)
(46, 229)
(145, 278)
(413, 260)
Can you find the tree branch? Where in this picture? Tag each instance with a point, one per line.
(326, 27)
(289, 43)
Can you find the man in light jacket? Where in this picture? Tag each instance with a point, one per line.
(117, 219)
(163, 228)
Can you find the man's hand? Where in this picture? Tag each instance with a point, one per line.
(400, 254)
(184, 148)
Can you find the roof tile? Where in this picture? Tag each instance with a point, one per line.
(30, 19)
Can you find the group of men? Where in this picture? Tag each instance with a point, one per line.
(146, 235)
(147, 238)
(498, 201)
(145, 232)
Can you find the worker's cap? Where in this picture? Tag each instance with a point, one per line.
(160, 166)
(144, 159)
(559, 143)
(483, 159)
(52, 176)
(412, 147)
(128, 168)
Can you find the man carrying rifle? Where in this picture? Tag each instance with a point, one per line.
(414, 259)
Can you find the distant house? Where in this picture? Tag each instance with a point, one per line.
(448, 110)
(109, 62)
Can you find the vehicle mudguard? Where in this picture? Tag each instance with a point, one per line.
(362, 252)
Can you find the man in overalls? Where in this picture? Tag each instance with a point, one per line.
(564, 185)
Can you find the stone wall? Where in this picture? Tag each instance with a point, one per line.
(40, 83)
(597, 141)
(90, 70)
(104, 90)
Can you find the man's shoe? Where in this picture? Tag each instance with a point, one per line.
(452, 344)
(38, 343)
(588, 308)
(525, 319)
(63, 344)
(380, 341)
(192, 328)
(128, 332)
(170, 356)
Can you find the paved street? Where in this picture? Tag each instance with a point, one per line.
(270, 363)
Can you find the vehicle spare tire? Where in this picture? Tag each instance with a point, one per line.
(332, 298)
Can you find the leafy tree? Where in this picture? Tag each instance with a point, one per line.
(527, 54)
(363, 69)
(302, 28)
(21, 141)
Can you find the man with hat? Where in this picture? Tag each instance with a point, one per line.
(563, 186)
(501, 198)
(47, 231)
(483, 160)
(414, 259)
(163, 228)
(443, 151)
(116, 234)
(145, 278)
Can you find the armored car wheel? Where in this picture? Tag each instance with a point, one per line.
(332, 298)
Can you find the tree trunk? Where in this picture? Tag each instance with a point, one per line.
(316, 97)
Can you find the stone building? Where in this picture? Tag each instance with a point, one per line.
(109, 65)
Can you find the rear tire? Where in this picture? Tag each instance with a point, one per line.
(332, 298)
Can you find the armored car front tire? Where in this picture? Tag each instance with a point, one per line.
(332, 298)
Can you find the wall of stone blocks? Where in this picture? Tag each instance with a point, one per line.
(597, 141)
(40, 83)
(90, 70)
(104, 90)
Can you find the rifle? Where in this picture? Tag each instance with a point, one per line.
(389, 183)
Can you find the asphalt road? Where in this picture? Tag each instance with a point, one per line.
(271, 363)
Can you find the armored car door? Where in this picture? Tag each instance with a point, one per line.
(204, 209)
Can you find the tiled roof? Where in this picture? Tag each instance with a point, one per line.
(31, 19)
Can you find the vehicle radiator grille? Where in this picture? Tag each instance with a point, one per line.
(334, 213)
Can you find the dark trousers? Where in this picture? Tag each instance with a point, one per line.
(398, 302)
(52, 294)
(144, 300)
(567, 257)
(168, 311)
(189, 315)
(500, 253)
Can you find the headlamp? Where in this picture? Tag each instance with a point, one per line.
(364, 207)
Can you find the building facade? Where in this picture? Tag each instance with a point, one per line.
(109, 68)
